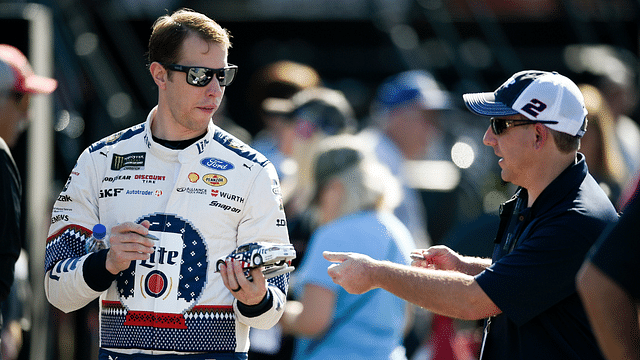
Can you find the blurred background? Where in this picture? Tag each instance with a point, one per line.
(96, 51)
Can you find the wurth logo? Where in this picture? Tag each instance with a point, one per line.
(226, 195)
(232, 197)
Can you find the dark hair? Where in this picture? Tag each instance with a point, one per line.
(169, 31)
(566, 143)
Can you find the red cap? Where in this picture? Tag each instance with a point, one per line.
(24, 80)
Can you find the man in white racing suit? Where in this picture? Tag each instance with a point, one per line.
(197, 189)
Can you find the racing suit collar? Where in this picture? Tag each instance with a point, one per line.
(183, 156)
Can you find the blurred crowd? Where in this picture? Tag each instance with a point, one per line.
(427, 152)
(451, 190)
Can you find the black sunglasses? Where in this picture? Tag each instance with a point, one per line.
(201, 76)
(500, 125)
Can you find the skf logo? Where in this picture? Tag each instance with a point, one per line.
(214, 179)
(105, 193)
(133, 161)
(193, 177)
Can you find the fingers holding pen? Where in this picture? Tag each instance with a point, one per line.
(128, 242)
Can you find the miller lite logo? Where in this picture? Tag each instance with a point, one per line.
(171, 280)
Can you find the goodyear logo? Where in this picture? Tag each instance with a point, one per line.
(133, 161)
(214, 179)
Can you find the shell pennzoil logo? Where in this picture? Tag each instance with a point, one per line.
(193, 177)
(214, 179)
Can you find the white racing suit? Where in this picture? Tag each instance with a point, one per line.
(202, 203)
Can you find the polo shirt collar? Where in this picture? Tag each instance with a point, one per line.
(561, 186)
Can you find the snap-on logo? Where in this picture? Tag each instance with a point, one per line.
(214, 179)
(216, 164)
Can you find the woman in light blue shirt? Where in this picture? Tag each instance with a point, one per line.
(355, 197)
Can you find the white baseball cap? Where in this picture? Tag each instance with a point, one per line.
(538, 95)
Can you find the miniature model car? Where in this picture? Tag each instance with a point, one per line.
(275, 258)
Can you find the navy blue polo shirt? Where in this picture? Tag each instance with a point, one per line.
(536, 258)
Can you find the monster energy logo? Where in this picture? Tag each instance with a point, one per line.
(133, 161)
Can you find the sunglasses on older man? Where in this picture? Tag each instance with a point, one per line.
(498, 126)
(201, 76)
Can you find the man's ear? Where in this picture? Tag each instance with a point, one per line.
(23, 103)
(159, 74)
(542, 135)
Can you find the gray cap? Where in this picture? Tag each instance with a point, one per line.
(324, 109)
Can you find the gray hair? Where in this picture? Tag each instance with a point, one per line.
(369, 185)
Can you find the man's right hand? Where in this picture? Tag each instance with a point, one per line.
(127, 243)
(352, 271)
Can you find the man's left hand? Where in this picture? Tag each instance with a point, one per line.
(247, 292)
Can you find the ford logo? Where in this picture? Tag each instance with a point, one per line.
(216, 164)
